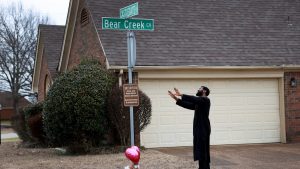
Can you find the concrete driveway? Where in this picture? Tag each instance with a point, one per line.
(254, 156)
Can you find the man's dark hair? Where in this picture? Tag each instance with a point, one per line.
(206, 89)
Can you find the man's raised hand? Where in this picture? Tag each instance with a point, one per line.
(172, 95)
(177, 93)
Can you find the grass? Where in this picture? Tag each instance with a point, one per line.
(7, 130)
(6, 122)
(10, 140)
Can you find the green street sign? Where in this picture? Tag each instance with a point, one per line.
(128, 24)
(129, 11)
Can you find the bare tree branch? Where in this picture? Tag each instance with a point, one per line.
(18, 39)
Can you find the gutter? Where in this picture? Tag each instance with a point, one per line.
(192, 67)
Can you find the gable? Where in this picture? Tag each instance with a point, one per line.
(85, 42)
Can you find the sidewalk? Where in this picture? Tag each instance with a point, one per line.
(9, 136)
(7, 133)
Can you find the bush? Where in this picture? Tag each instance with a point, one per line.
(35, 125)
(19, 125)
(33, 110)
(75, 107)
(120, 115)
(33, 118)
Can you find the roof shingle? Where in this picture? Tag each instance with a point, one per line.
(206, 32)
(53, 36)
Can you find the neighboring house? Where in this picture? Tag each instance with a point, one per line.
(6, 105)
(246, 52)
(50, 39)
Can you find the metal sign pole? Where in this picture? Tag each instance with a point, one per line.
(131, 63)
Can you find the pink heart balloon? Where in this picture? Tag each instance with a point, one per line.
(136, 148)
(132, 155)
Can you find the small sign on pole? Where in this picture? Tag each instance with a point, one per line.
(131, 95)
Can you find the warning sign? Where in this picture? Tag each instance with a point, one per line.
(131, 95)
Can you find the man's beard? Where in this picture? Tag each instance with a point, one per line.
(199, 93)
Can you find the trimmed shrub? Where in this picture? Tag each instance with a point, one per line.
(33, 118)
(35, 125)
(33, 110)
(28, 124)
(75, 107)
(120, 115)
(19, 125)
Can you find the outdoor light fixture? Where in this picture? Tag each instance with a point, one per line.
(293, 82)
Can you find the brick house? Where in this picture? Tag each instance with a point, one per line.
(246, 52)
(6, 105)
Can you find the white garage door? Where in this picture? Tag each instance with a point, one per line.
(242, 111)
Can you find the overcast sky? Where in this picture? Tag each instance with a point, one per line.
(56, 10)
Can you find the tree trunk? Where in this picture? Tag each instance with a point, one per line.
(16, 99)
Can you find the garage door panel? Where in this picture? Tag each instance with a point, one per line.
(167, 120)
(175, 129)
(217, 109)
(221, 101)
(182, 129)
(269, 117)
(270, 126)
(219, 118)
(243, 111)
(167, 129)
(152, 129)
(168, 139)
(237, 100)
(270, 134)
(220, 126)
(184, 119)
(184, 138)
(150, 139)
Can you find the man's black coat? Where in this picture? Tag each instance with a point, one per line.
(201, 126)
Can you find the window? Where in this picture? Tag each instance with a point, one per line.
(47, 85)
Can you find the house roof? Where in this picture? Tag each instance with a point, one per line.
(206, 32)
(50, 39)
(53, 36)
(6, 100)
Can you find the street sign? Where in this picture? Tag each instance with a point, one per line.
(127, 24)
(130, 91)
(129, 11)
(131, 95)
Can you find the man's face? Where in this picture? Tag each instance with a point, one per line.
(200, 92)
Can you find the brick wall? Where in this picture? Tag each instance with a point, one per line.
(6, 113)
(85, 43)
(292, 107)
(43, 73)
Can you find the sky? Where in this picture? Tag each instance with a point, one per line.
(56, 10)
